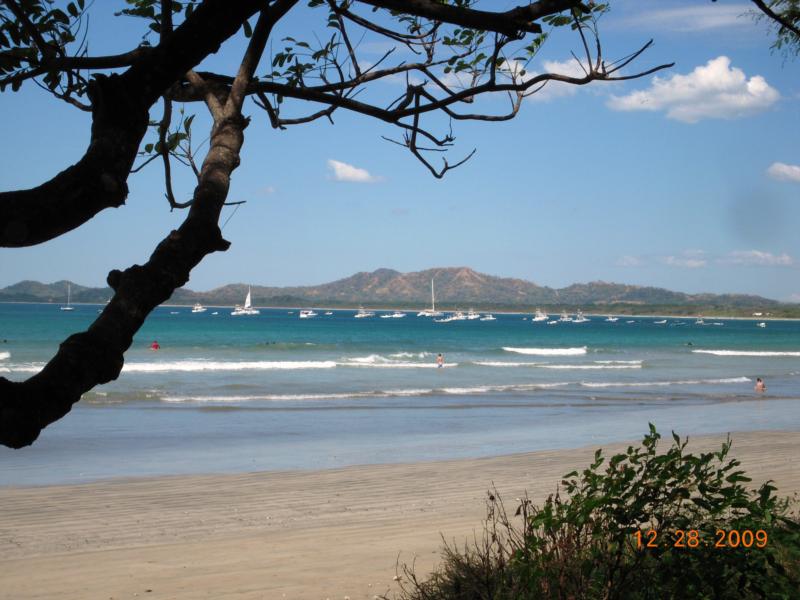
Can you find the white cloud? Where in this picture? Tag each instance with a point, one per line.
(559, 89)
(345, 172)
(784, 172)
(692, 18)
(794, 298)
(712, 91)
(551, 89)
(629, 261)
(267, 190)
(688, 259)
(758, 258)
(686, 263)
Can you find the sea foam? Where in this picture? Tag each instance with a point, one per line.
(548, 351)
(201, 365)
(666, 383)
(746, 353)
(5, 355)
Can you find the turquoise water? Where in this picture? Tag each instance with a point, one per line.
(277, 392)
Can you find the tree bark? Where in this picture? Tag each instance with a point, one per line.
(120, 105)
(95, 356)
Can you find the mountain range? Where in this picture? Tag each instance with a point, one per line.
(456, 287)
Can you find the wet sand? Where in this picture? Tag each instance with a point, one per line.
(297, 535)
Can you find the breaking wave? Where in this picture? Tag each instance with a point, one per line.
(548, 351)
(746, 353)
(666, 383)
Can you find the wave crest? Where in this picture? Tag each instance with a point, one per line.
(547, 351)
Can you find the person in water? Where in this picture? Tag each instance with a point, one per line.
(155, 345)
(439, 360)
(760, 385)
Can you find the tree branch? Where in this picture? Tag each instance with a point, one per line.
(119, 121)
(509, 23)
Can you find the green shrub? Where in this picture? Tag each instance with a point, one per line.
(591, 541)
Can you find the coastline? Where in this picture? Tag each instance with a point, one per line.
(295, 534)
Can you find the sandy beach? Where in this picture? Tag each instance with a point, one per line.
(304, 535)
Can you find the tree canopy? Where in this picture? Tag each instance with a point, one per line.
(450, 55)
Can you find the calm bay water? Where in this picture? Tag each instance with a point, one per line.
(228, 394)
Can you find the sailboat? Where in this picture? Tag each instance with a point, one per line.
(247, 309)
(68, 306)
(431, 312)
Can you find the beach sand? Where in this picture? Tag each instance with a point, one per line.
(296, 535)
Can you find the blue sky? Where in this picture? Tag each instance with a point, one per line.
(690, 181)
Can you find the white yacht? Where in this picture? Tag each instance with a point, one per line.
(198, 308)
(699, 321)
(431, 312)
(472, 315)
(363, 314)
(395, 315)
(68, 306)
(579, 318)
(612, 319)
(456, 316)
(565, 318)
(307, 314)
(328, 313)
(762, 324)
(661, 322)
(488, 318)
(246, 308)
(539, 315)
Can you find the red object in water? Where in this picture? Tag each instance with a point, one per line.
(155, 346)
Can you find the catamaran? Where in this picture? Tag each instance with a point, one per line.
(247, 308)
(431, 312)
(68, 306)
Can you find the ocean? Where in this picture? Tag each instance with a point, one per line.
(276, 392)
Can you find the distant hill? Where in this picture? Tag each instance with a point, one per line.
(455, 287)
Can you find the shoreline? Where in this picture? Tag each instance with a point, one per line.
(288, 534)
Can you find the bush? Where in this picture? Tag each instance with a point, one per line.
(638, 525)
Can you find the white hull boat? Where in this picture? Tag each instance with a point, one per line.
(68, 306)
(199, 308)
(539, 316)
(431, 312)
(579, 318)
(247, 308)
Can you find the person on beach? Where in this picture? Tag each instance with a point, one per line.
(155, 345)
(439, 361)
(760, 385)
